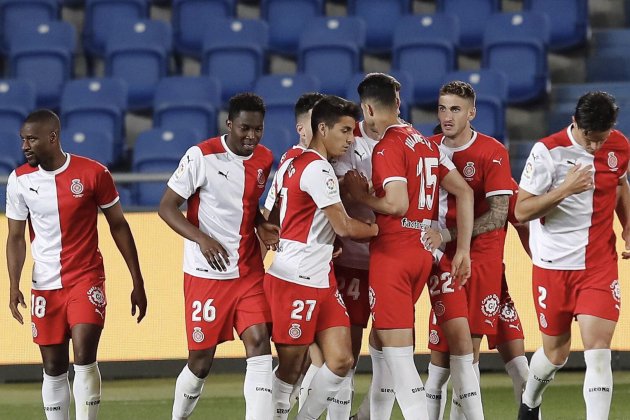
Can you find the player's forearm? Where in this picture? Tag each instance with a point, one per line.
(464, 218)
(390, 205)
(16, 255)
(494, 218)
(538, 206)
(356, 230)
(121, 232)
(176, 220)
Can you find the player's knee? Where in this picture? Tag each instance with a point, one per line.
(341, 365)
(55, 367)
(200, 366)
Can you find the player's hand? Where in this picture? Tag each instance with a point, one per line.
(356, 184)
(16, 298)
(578, 179)
(337, 248)
(215, 253)
(460, 267)
(269, 234)
(626, 237)
(139, 302)
(431, 239)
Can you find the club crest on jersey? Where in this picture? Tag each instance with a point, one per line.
(76, 188)
(490, 305)
(295, 331)
(434, 337)
(260, 178)
(616, 290)
(543, 320)
(469, 170)
(439, 309)
(96, 296)
(612, 161)
(508, 312)
(33, 330)
(198, 335)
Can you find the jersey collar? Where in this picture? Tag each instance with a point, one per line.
(58, 170)
(231, 153)
(463, 146)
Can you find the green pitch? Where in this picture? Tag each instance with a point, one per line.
(222, 398)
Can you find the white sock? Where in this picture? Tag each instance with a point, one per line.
(541, 373)
(364, 408)
(188, 389)
(56, 396)
(435, 390)
(382, 395)
(341, 405)
(280, 396)
(598, 383)
(257, 388)
(87, 391)
(306, 384)
(295, 393)
(324, 386)
(466, 386)
(518, 369)
(407, 383)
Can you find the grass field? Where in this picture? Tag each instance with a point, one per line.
(222, 398)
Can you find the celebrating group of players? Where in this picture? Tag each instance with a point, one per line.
(408, 211)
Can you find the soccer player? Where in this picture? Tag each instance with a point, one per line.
(474, 309)
(300, 284)
(59, 194)
(222, 179)
(407, 171)
(568, 193)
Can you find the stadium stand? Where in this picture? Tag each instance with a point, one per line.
(94, 144)
(568, 19)
(287, 19)
(15, 13)
(475, 14)
(381, 17)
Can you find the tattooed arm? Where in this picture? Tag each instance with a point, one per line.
(493, 219)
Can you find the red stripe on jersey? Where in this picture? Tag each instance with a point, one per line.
(25, 169)
(211, 146)
(300, 207)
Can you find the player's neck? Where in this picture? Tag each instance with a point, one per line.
(318, 146)
(54, 162)
(460, 139)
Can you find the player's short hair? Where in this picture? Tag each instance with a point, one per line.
(458, 88)
(596, 111)
(245, 102)
(380, 88)
(330, 109)
(44, 116)
(306, 102)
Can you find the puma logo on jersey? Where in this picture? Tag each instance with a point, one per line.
(36, 191)
(326, 171)
(381, 152)
(100, 313)
(359, 154)
(516, 327)
(224, 174)
(571, 162)
(497, 161)
(188, 159)
(489, 322)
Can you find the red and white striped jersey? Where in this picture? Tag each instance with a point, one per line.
(358, 156)
(578, 233)
(222, 189)
(270, 201)
(403, 154)
(61, 207)
(485, 165)
(307, 184)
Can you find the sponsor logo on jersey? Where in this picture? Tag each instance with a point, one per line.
(490, 305)
(616, 290)
(414, 224)
(97, 296)
(469, 170)
(543, 320)
(295, 331)
(260, 178)
(331, 186)
(76, 188)
(33, 329)
(434, 337)
(529, 170)
(197, 335)
(612, 161)
(371, 298)
(508, 312)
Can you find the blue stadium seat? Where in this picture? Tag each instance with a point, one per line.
(473, 16)
(138, 52)
(280, 92)
(17, 100)
(332, 43)
(44, 55)
(188, 102)
(287, 19)
(94, 144)
(516, 43)
(87, 104)
(278, 140)
(570, 92)
(158, 151)
(100, 15)
(429, 39)
(609, 65)
(427, 128)
(234, 52)
(519, 151)
(568, 18)
(381, 17)
(15, 13)
(610, 38)
(190, 21)
(491, 88)
(406, 90)
(126, 196)
(12, 155)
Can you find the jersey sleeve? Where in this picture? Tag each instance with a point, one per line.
(445, 164)
(319, 181)
(497, 176)
(189, 175)
(537, 175)
(16, 206)
(388, 163)
(106, 193)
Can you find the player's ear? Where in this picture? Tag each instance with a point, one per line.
(322, 128)
(472, 113)
(228, 124)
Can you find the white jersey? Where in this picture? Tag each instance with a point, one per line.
(270, 201)
(578, 233)
(359, 156)
(307, 184)
(222, 189)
